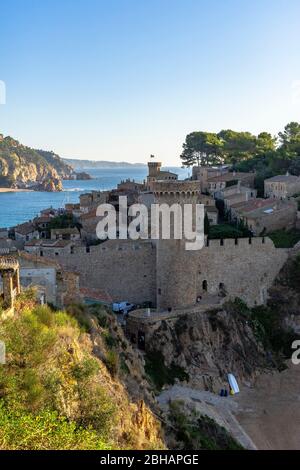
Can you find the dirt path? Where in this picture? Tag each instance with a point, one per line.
(270, 411)
(219, 409)
(265, 416)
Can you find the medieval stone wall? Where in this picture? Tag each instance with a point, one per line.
(240, 268)
(126, 270)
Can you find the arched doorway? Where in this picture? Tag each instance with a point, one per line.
(222, 290)
(204, 285)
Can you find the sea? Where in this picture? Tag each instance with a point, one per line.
(18, 207)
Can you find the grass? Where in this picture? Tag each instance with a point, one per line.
(47, 366)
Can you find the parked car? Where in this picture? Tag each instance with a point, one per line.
(122, 307)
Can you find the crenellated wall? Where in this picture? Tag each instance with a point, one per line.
(244, 268)
(124, 269)
(127, 270)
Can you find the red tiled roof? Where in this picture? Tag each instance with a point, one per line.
(25, 228)
(252, 204)
(89, 215)
(95, 294)
(42, 219)
(229, 177)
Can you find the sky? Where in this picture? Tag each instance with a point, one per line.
(122, 79)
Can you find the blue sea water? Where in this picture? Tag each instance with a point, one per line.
(16, 208)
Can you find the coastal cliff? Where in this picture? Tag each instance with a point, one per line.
(22, 167)
(72, 385)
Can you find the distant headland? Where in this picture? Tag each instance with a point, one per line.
(77, 164)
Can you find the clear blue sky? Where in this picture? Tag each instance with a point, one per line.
(121, 79)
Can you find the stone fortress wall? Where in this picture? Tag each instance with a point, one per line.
(244, 268)
(123, 268)
(127, 270)
(164, 273)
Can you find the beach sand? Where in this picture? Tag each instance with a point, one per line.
(270, 411)
(12, 190)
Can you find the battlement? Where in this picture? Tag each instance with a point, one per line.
(255, 242)
(154, 168)
(154, 164)
(175, 188)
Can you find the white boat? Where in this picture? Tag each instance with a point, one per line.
(233, 383)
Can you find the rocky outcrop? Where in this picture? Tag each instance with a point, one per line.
(208, 346)
(83, 176)
(26, 168)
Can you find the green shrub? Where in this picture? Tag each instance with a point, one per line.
(85, 369)
(78, 311)
(109, 339)
(112, 362)
(195, 431)
(159, 373)
(45, 431)
(285, 238)
(266, 323)
(44, 370)
(228, 231)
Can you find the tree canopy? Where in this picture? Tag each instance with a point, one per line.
(234, 147)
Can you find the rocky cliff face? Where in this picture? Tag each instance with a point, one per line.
(207, 347)
(71, 365)
(285, 293)
(139, 424)
(200, 349)
(23, 167)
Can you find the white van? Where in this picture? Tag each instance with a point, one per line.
(122, 307)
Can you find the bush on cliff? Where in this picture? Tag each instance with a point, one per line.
(50, 393)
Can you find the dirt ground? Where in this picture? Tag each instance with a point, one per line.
(270, 411)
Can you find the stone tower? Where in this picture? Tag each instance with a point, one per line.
(9, 270)
(176, 267)
(153, 169)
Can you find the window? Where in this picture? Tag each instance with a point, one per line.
(204, 285)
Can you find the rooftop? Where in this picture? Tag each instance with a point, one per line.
(238, 175)
(283, 179)
(252, 204)
(44, 219)
(66, 230)
(95, 294)
(25, 228)
(48, 243)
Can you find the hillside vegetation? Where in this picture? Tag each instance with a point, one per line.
(265, 154)
(24, 167)
(56, 394)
